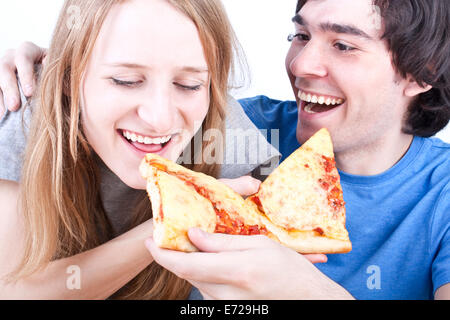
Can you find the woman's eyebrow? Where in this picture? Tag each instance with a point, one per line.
(335, 28)
(190, 69)
(125, 65)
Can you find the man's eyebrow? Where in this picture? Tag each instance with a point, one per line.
(344, 29)
(299, 19)
(335, 27)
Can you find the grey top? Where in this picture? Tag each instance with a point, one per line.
(246, 151)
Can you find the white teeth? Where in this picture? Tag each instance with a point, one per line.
(303, 96)
(308, 108)
(319, 99)
(145, 140)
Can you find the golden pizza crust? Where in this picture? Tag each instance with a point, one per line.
(305, 241)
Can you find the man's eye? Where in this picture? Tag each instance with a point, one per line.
(343, 47)
(125, 83)
(299, 36)
(303, 37)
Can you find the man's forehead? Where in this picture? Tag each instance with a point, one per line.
(359, 17)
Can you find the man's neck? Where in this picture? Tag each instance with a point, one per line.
(375, 158)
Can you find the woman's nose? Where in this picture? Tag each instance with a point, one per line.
(157, 111)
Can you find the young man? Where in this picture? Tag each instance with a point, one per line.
(376, 74)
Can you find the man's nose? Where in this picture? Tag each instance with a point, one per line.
(157, 109)
(309, 62)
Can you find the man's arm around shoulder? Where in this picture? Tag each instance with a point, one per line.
(443, 293)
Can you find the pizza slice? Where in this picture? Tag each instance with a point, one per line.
(182, 199)
(299, 205)
(303, 200)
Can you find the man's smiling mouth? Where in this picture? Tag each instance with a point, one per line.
(315, 103)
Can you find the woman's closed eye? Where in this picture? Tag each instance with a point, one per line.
(133, 84)
(126, 83)
(187, 87)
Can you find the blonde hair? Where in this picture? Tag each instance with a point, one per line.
(60, 188)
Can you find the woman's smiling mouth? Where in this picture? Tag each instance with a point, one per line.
(145, 144)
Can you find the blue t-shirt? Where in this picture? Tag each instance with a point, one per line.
(398, 221)
(270, 115)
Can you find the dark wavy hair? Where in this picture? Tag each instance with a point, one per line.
(418, 36)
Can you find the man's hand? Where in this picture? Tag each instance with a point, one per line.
(22, 62)
(247, 267)
(247, 186)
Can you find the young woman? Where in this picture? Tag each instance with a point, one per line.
(130, 77)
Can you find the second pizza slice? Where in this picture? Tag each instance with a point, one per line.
(303, 199)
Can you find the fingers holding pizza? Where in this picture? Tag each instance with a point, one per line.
(218, 242)
(243, 267)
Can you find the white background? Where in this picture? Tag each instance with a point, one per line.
(262, 27)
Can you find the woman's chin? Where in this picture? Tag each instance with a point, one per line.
(140, 184)
(134, 181)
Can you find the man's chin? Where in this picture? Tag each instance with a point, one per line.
(304, 133)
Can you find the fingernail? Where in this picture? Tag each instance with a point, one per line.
(12, 102)
(28, 90)
(197, 232)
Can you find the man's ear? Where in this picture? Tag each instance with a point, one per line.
(413, 89)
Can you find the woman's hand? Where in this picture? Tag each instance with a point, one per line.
(248, 268)
(21, 60)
